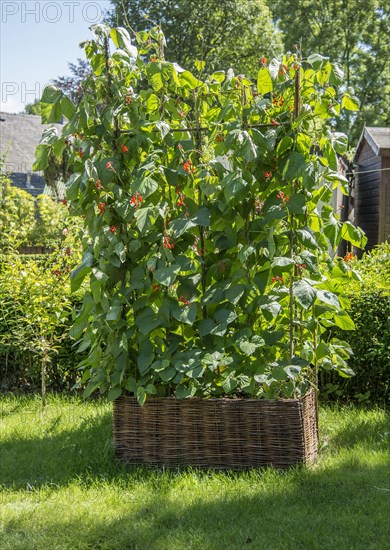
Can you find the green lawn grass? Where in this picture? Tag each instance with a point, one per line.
(61, 489)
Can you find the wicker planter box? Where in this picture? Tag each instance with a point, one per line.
(216, 433)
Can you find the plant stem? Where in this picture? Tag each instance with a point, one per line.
(248, 263)
(109, 92)
(293, 274)
(297, 100)
(43, 379)
(198, 147)
(291, 293)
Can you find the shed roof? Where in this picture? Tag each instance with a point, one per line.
(19, 136)
(377, 138)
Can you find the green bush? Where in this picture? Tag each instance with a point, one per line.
(17, 214)
(29, 221)
(370, 342)
(36, 311)
(51, 221)
(35, 302)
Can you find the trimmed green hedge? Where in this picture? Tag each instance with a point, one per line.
(29, 221)
(36, 313)
(370, 342)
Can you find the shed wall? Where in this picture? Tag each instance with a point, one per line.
(384, 208)
(368, 195)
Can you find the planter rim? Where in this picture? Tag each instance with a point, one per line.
(221, 399)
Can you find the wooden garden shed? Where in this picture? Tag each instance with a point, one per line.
(372, 185)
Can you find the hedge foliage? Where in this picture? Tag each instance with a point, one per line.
(370, 342)
(29, 221)
(36, 313)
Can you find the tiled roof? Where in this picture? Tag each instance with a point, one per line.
(19, 137)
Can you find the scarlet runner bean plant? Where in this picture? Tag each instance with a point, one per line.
(209, 246)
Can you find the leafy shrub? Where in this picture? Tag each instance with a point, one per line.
(17, 214)
(370, 342)
(52, 219)
(374, 268)
(35, 318)
(29, 221)
(35, 301)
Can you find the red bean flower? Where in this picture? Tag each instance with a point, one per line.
(181, 199)
(283, 69)
(113, 229)
(110, 166)
(168, 243)
(267, 175)
(349, 257)
(101, 207)
(282, 197)
(263, 60)
(136, 200)
(188, 167)
(277, 279)
(278, 101)
(98, 185)
(124, 148)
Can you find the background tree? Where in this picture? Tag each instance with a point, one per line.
(356, 34)
(70, 85)
(223, 33)
(33, 108)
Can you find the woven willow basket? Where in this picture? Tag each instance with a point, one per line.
(216, 433)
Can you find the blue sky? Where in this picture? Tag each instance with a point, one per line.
(38, 39)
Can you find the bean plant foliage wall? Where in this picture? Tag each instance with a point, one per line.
(204, 198)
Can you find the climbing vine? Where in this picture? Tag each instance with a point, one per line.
(209, 240)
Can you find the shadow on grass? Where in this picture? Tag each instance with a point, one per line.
(57, 455)
(341, 509)
(340, 504)
(319, 511)
(86, 452)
